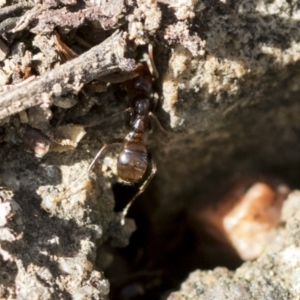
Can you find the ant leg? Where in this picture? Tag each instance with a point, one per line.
(129, 109)
(158, 123)
(141, 190)
(112, 141)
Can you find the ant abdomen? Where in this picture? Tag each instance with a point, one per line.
(132, 161)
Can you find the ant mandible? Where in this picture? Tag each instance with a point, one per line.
(134, 158)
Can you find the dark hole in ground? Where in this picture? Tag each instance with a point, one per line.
(122, 194)
(164, 250)
(160, 255)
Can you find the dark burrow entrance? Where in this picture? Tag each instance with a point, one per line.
(167, 246)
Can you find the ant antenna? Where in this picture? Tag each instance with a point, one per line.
(153, 116)
(96, 123)
(151, 59)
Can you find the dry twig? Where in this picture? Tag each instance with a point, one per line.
(104, 59)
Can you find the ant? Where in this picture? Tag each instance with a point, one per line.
(134, 158)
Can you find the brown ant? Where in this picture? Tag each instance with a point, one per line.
(134, 158)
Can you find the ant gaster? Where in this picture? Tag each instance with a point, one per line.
(134, 158)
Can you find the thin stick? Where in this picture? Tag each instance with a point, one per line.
(69, 77)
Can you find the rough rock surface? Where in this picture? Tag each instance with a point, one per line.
(273, 276)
